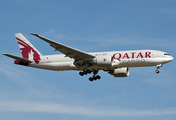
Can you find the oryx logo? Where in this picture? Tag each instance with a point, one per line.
(28, 52)
(104, 60)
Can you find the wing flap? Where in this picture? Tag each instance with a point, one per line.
(68, 51)
(17, 58)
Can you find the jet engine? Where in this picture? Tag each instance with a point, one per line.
(103, 61)
(120, 72)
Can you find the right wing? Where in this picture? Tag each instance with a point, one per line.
(68, 51)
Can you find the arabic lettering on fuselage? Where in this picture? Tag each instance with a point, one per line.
(100, 54)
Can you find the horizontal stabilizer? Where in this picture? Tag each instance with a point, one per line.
(17, 58)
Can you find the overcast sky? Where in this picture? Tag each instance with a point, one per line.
(90, 26)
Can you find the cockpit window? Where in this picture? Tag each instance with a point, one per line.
(166, 54)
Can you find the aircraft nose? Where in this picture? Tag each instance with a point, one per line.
(168, 59)
(171, 58)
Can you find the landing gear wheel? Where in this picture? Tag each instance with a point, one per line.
(94, 78)
(98, 77)
(157, 71)
(88, 71)
(91, 79)
(85, 72)
(81, 73)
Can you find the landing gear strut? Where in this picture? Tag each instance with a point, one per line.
(95, 77)
(158, 67)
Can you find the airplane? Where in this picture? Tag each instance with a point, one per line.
(116, 63)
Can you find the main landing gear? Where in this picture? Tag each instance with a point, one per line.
(85, 72)
(95, 77)
(158, 67)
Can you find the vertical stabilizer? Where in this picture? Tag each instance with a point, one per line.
(28, 51)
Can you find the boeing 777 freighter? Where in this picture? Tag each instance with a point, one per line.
(116, 63)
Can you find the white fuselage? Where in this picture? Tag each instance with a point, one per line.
(116, 63)
(134, 58)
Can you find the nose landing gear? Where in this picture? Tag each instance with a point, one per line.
(158, 67)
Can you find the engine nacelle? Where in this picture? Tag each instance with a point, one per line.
(120, 72)
(103, 61)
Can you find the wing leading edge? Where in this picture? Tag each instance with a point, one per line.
(68, 51)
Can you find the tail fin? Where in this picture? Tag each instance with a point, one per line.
(28, 51)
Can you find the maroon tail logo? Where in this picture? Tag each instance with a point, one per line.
(27, 51)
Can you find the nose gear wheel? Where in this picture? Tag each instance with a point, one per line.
(157, 71)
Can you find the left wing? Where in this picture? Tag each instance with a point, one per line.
(68, 51)
(17, 58)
